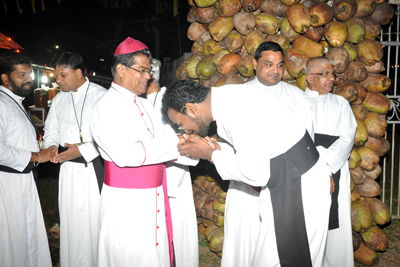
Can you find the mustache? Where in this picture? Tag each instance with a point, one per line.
(30, 83)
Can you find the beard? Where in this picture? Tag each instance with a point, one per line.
(19, 90)
(203, 128)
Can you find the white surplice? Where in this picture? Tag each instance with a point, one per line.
(23, 239)
(242, 201)
(180, 193)
(79, 196)
(260, 127)
(333, 116)
(129, 132)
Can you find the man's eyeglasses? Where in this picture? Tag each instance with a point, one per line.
(143, 71)
(325, 74)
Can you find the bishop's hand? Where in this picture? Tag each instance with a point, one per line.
(198, 147)
(71, 153)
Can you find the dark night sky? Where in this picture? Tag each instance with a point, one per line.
(86, 27)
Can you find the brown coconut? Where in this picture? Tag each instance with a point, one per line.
(217, 57)
(311, 48)
(216, 240)
(315, 34)
(228, 64)
(209, 229)
(359, 111)
(361, 219)
(340, 58)
(376, 83)
(358, 176)
(356, 240)
(298, 17)
(229, 79)
(356, 71)
(376, 124)
(267, 23)
(204, 14)
(234, 42)
(365, 8)
(376, 102)
(212, 47)
(274, 7)
(244, 22)
(289, 2)
(362, 94)
(348, 90)
(383, 13)
(198, 204)
(245, 66)
(355, 196)
(369, 52)
(379, 145)
(253, 40)
(379, 211)
(221, 196)
(220, 27)
(340, 78)
(320, 14)
(354, 160)
(295, 62)
(194, 30)
(207, 211)
(287, 30)
(375, 172)
(344, 9)
(365, 255)
(368, 162)
(361, 133)
(378, 67)
(190, 17)
(228, 8)
(251, 5)
(335, 33)
(202, 38)
(375, 239)
(372, 28)
(279, 39)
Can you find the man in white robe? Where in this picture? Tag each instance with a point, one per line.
(278, 156)
(23, 239)
(134, 229)
(67, 128)
(180, 192)
(335, 128)
(241, 208)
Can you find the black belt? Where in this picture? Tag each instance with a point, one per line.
(98, 165)
(326, 141)
(287, 203)
(28, 169)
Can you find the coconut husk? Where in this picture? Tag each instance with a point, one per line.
(356, 72)
(352, 50)
(217, 240)
(361, 133)
(218, 219)
(199, 180)
(221, 196)
(356, 30)
(369, 158)
(376, 102)
(372, 28)
(379, 145)
(383, 13)
(369, 188)
(336, 33)
(205, 68)
(295, 62)
(207, 185)
(210, 228)
(251, 5)
(340, 78)
(201, 229)
(358, 175)
(219, 207)
(245, 66)
(287, 30)
(344, 9)
(301, 82)
(202, 38)
(355, 196)
(320, 14)
(376, 124)
(267, 23)
(220, 27)
(376, 83)
(279, 39)
(299, 17)
(369, 52)
(211, 47)
(253, 40)
(204, 14)
(374, 173)
(244, 22)
(198, 204)
(340, 58)
(207, 223)
(190, 17)
(229, 79)
(356, 240)
(361, 219)
(375, 239)
(365, 255)
(348, 90)
(228, 64)
(362, 94)
(365, 8)
(207, 211)
(234, 42)
(360, 112)
(379, 211)
(315, 34)
(311, 48)
(378, 67)
(194, 30)
(352, 185)
(354, 160)
(228, 8)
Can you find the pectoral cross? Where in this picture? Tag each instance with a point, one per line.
(81, 138)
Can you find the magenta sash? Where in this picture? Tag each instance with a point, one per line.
(150, 176)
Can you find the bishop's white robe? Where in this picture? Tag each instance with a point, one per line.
(79, 196)
(180, 193)
(333, 116)
(23, 238)
(241, 208)
(129, 132)
(275, 130)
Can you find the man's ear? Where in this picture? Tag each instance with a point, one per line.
(5, 79)
(191, 109)
(79, 73)
(254, 64)
(120, 70)
(309, 79)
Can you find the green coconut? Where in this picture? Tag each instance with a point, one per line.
(361, 218)
(379, 211)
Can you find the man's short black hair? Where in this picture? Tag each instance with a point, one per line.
(267, 46)
(69, 60)
(181, 92)
(9, 59)
(127, 59)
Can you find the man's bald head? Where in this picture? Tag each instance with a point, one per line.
(320, 75)
(315, 62)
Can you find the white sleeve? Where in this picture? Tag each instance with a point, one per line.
(51, 128)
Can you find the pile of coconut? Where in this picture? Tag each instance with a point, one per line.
(226, 34)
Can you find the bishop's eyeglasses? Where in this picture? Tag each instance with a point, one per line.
(143, 71)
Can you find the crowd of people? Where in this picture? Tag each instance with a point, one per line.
(125, 193)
